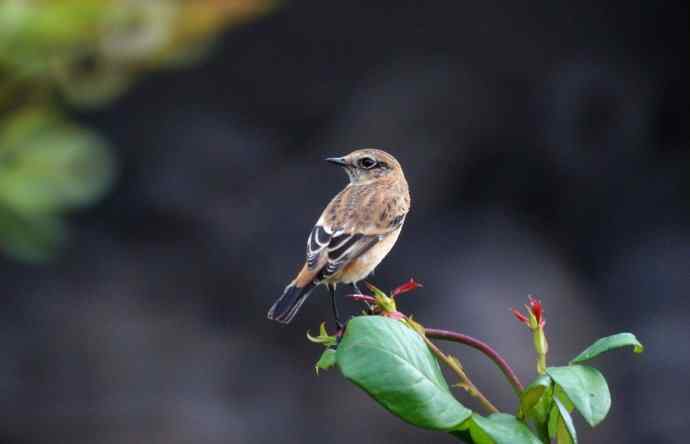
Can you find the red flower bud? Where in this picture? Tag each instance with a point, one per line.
(407, 286)
(535, 314)
(536, 309)
(520, 317)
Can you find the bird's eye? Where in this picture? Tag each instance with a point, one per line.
(367, 163)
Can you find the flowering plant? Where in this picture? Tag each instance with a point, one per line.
(392, 357)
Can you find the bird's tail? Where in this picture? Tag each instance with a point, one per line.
(289, 303)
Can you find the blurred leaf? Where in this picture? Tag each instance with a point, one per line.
(199, 18)
(93, 49)
(31, 239)
(137, 31)
(609, 343)
(35, 35)
(55, 22)
(47, 165)
(91, 81)
(587, 389)
(393, 364)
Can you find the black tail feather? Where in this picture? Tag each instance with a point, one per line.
(289, 303)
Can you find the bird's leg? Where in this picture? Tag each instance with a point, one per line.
(336, 315)
(358, 291)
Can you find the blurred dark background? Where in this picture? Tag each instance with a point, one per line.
(546, 147)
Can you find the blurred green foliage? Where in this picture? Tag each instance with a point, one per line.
(47, 166)
(80, 53)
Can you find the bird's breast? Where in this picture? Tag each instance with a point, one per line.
(361, 267)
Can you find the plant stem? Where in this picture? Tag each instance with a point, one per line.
(541, 363)
(541, 347)
(465, 381)
(482, 347)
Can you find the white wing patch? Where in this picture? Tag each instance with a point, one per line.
(339, 249)
(318, 239)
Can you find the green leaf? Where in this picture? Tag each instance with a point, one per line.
(565, 432)
(499, 428)
(586, 388)
(471, 433)
(540, 412)
(531, 395)
(395, 367)
(609, 343)
(552, 425)
(559, 394)
(326, 361)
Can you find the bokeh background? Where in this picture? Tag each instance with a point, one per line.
(159, 176)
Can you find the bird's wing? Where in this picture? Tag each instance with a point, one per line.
(328, 250)
(338, 250)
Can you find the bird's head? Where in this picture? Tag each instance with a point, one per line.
(368, 164)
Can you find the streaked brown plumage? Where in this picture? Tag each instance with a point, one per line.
(354, 233)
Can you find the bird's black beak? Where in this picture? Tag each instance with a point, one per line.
(337, 161)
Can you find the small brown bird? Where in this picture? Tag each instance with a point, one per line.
(354, 233)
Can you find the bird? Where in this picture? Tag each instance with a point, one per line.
(356, 230)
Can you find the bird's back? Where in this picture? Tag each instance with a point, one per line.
(369, 208)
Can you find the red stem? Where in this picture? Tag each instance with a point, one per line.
(482, 347)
